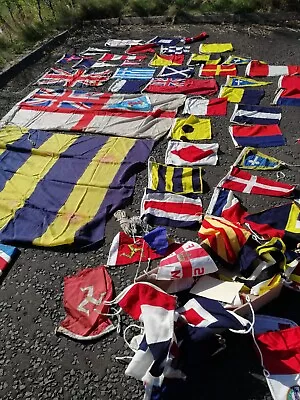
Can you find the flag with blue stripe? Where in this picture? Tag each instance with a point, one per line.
(252, 114)
(134, 73)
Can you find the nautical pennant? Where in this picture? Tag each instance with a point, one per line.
(63, 186)
(217, 70)
(56, 76)
(166, 178)
(251, 158)
(243, 181)
(191, 128)
(237, 60)
(241, 95)
(249, 114)
(257, 68)
(121, 57)
(176, 72)
(256, 135)
(180, 154)
(158, 40)
(241, 81)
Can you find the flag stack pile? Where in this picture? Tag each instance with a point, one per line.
(69, 184)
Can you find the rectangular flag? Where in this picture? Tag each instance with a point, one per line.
(217, 70)
(165, 60)
(237, 60)
(122, 42)
(129, 86)
(142, 48)
(93, 51)
(68, 58)
(60, 77)
(200, 106)
(180, 72)
(107, 113)
(134, 73)
(241, 81)
(252, 115)
(251, 158)
(223, 237)
(169, 209)
(288, 93)
(166, 178)
(158, 40)
(63, 186)
(215, 47)
(191, 128)
(121, 57)
(256, 135)
(244, 182)
(181, 153)
(197, 59)
(185, 86)
(241, 95)
(8, 254)
(258, 68)
(188, 261)
(164, 49)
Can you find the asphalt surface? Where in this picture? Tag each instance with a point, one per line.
(37, 364)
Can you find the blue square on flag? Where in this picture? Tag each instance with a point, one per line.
(181, 72)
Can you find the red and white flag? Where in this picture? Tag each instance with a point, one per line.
(199, 106)
(84, 301)
(257, 68)
(121, 57)
(189, 260)
(217, 70)
(181, 153)
(280, 357)
(244, 182)
(185, 86)
(201, 36)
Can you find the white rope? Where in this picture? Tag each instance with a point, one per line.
(251, 324)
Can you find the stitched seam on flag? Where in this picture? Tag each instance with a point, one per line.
(99, 174)
(17, 190)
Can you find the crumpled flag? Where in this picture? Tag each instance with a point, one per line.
(157, 239)
(200, 36)
(259, 68)
(165, 60)
(215, 47)
(180, 153)
(237, 60)
(84, 301)
(8, 254)
(188, 261)
(191, 128)
(200, 106)
(241, 81)
(256, 135)
(251, 158)
(217, 70)
(240, 95)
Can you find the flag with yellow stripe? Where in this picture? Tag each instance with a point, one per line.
(59, 189)
(223, 238)
(167, 178)
(191, 128)
(217, 70)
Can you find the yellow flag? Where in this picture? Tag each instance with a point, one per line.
(191, 128)
(215, 47)
(166, 60)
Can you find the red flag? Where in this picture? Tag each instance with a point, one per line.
(201, 36)
(221, 70)
(243, 181)
(192, 153)
(142, 48)
(84, 301)
(185, 86)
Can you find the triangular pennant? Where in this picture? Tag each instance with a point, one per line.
(236, 60)
(240, 81)
(251, 158)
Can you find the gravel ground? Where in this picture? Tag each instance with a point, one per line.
(37, 364)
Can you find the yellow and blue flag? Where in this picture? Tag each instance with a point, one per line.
(167, 178)
(237, 60)
(241, 95)
(241, 81)
(59, 189)
(251, 158)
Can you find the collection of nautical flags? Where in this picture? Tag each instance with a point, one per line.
(184, 154)
(191, 128)
(180, 72)
(186, 86)
(215, 47)
(252, 114)
(169, 209)
(200, 106)
(251, 158)
(60, 77)
(260, 69)
(241, 95)
(217, 70)
(256, 135)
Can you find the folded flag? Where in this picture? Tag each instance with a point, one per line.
(224, 204)
(191, 128)
(249, 114)
(201, 312)
(158, 40)
(215, 47)
(7, 255)
(237, 60)
(185, 86)
(200, 106)
(60, 77)
(217, 70)
(67, 58)
(201, 36)
(180, 153)
(166, 178)
(84, 301)
(165, 49)
(129, 86)
(244, 182)
(241, 81)
(288, 93)
(133, 73)
(240, 95)
(224, 238)
(189, 260)
(170, 209)
(251, 158)
(141, 48)
(165, 60)
(126, 250)
(157, 239)
(176, 72)
(258, 68)
(281, 221)
(93, 51)
(280, 360)
(256, 135)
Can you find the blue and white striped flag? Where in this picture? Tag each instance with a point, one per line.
(134, 73)
(174, 49)
(250, 114)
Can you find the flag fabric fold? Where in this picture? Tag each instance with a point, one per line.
(169, 209)
(191, 128)
(120, 43)
(249, 114)
(240, 95)
(257, 68)
(244, 182)
(200, 106)
(217, 70)
(256, 135)
(185, 86)
(180, 154)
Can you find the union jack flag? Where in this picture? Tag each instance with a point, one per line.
(57, 76)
